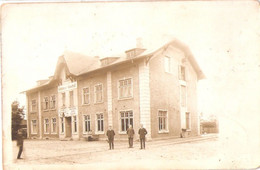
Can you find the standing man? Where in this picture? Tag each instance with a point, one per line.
(20, 143)
(130, 133)
(110, 136)
(142, 132)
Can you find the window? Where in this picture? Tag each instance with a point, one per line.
(85, 95)
(54, 125)
(100, 122)
(62, 124)
(34, 105)
(167, 64)
(46, 103)
(87, 123)
(162, 118)
(183, 96)
(182, 74)
(46, 125)
(33, 127)
(63, 99)
(75, 124)
(71, 99)
(126, 119)
(188, 120)
(52, 102)
(125, 88)
(98, 93)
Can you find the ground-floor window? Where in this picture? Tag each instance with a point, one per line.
(62, 124)
(87, 124)
(126, 119)
(100, 122)
(162, 118)
(75, 130)
(46, 125)
(34, 126)
(53, 125)
(188, 121)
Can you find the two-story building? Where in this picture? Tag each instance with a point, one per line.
(153, 87)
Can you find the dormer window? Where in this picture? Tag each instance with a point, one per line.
(134, 52)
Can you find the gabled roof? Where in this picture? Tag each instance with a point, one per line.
(78, 64)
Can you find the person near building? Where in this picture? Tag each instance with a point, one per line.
(142, 132)
(130, 133)
(110, 136)
(20, 143)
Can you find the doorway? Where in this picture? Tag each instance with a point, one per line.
(68, 126)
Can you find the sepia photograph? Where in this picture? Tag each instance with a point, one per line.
(130, 84)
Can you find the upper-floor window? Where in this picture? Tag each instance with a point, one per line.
(85, 95)
(162, 118)
(167, 64)
(63, 98)
(125, 88)
(182, 73)
(183, 96)
(98, 93)
(71, 99)
(46, 103)
(52, 102)
(34, 105)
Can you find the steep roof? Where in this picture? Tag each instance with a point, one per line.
(78, 64)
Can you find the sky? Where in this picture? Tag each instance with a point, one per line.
(223, 36)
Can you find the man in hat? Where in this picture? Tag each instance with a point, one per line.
(142, 132)
(130, 133)
(110, 136)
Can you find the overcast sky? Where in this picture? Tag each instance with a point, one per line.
(223, 37)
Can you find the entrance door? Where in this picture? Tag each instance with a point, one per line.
(68, 126)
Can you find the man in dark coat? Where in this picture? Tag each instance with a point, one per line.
(142, 132)
(110, 136)
(130, 132)
(20, 143)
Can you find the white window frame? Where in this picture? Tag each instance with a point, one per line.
(84, 121)
(102, 93)
(62, 123)
(75, 120)
(118, 87)
(44, 123)
(45, 107)
(189, 123)
(119, 120)
(169, 64)
(33, 126)
(52, 101)
(182, 68)
(167, 121)
(52, 127)
(96, 123)
(83, 95)
(33, 105)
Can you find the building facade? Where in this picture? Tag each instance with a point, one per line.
(156, 88)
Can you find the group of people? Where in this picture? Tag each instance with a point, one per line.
(130, 132)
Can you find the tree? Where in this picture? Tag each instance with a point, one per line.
(17, 117)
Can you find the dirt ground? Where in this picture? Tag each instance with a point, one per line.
(164, 154)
